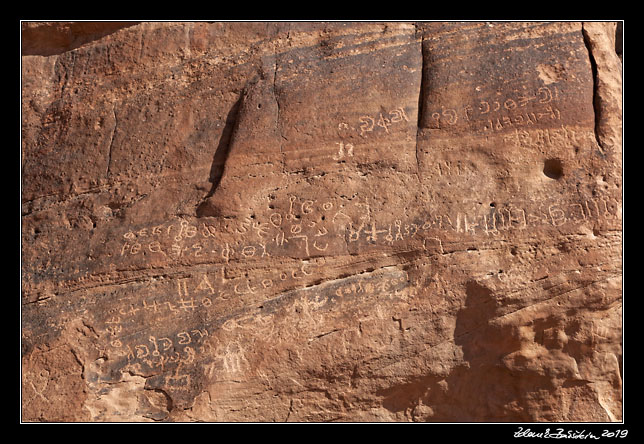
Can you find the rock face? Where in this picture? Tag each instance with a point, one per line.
(321, 222)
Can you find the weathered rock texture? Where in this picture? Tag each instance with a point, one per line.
(321, 222)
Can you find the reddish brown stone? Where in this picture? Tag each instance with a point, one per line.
(321, 222)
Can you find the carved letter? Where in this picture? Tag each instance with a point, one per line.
(205, 283)
(185, 338)
(557, 216)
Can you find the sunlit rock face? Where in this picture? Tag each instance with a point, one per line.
(321, 222)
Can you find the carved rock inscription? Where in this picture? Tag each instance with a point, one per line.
(321, 222)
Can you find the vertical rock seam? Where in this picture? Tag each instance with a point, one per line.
(596, 106)
(421, 97)
(223, 147)
(277, 119)
(109, 150)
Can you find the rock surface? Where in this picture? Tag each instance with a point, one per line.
(321, 222)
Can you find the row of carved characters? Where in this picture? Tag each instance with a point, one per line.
(311, 239)
(194, 294)
(296, 215)
(305, 223)
(491, 223)
(370, 124)
(305, 244)
(184, 347)
(518, 109)
(372, 285)
(180, 348)
(383, 122)
(548, 138)
(174, 362)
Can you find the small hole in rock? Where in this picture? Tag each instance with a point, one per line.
(553, 168)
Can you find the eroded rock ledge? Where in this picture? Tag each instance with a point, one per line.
(321, 222)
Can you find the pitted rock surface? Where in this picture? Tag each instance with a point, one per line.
(321, 222)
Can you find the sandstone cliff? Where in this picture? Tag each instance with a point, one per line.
(321, 222)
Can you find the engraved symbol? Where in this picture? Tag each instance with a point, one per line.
(545, 95)
(141, 351)
(276, 219)
(291, 215)
(185, 287)
(166, 343)
(187, 304)
(367, 124)
(509, 104)
(248, 251)
(341, 152)
(451, 116)
(398, 115)
(306, 242)
(204, 284)
(468, 110)
(185, 338)
(384, 123)
(321, 232)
